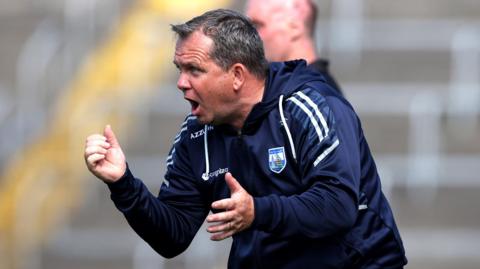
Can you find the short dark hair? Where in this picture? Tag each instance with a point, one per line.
(234, 37)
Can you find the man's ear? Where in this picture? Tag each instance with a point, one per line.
(239, 72)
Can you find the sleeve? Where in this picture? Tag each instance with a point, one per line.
(168, 222)
(328, 160)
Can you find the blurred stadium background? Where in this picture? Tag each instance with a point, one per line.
(411, 69)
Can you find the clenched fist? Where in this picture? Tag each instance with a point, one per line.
(104, 156)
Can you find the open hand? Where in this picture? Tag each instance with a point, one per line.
(238, 215)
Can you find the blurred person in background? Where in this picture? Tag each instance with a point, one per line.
(287, 28)
(275, 154)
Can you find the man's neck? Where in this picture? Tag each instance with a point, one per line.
(253, 95)
(304, 49)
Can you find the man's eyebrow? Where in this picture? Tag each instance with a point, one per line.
(187, 65)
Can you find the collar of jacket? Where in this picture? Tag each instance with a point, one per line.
(283, 78)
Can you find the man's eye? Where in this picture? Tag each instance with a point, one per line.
(178, 69)
(195, 70)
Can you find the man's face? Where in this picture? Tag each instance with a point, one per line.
(205, 85)
(272, 25)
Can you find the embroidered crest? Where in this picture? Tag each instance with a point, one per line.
(277, 159)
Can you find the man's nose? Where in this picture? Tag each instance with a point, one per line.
(183, 83)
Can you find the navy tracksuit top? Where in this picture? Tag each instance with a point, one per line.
(303, 156)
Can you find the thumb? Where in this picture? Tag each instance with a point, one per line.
(110, 135)
(232, 183)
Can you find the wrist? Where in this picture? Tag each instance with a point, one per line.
(119, 181)
(115, 175)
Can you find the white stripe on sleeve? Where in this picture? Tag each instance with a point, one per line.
(317, 111)
(326, 152)
(310, 115)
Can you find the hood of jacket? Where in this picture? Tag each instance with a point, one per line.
(283, 78)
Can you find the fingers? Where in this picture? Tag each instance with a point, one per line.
(89, 150)
(232, 183)
(221, 227)
(110, 136)
(223, 230)
(221, 236)
(226, 204)
(94, 158)
(221, 217)
(234, 187)
(97, 140)
(225, 225)
(96, 148)
(104, 157)
(238, 211)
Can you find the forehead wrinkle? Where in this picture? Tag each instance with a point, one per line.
(193, 49)
(191, 56)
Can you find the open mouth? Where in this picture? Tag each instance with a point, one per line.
(193, 103)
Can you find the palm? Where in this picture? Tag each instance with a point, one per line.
(112, 167)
